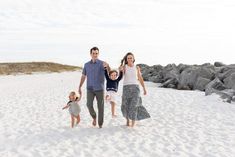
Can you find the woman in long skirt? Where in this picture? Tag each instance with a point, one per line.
(132, 108)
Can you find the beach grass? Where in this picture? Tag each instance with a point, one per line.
(33, 67)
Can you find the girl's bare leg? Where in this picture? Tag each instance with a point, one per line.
(72, 121)
(78, 119)
(113, 109)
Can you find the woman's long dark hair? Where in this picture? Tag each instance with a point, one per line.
(124, 60)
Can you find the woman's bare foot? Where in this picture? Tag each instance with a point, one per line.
(132, 123)
(127, 122)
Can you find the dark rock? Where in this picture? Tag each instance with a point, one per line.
(227, 67)
(171, 86)
(146, 71)
(170, 72)
(188, 77)
(218, 69)
(215, 85)
(156, 79)
(183, 87)
(233, 98)
(157, 70)
(226, 94)
(142, 66)
(217, 78)
(218, 64)
(206, 72)
(226, 74)
(181, 67)
(152, 73)
(219, 73)
(230, 81)
(206, 65)
(201, 83)
(157, 67)
(171, 83)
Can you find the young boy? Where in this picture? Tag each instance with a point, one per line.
(112, 87)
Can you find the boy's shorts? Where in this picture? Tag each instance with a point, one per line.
(111, 96)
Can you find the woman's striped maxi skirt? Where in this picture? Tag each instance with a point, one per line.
(132, 107)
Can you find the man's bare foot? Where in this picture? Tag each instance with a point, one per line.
(94, 122)
(114, 116)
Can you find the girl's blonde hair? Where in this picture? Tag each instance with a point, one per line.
(74, 94)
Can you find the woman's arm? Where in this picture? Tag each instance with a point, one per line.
(140, 78)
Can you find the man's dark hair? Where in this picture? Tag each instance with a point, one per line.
(94, 49)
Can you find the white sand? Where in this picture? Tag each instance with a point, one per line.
(183, 123)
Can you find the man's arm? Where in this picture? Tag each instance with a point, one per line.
(106, 65)
(83, 78)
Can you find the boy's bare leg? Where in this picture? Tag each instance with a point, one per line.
(78, 119)
(113, 109)
(107, 97)
(72, 121)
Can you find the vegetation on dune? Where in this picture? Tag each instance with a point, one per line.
(31, 67)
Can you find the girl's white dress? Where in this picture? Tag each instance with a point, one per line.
(74, 108)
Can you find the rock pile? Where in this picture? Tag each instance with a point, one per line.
(218, 78)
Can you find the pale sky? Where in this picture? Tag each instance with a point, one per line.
(156, 31)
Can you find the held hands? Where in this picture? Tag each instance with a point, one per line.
(121, 68)
(105, 65)
(80, 92)
(79, 98)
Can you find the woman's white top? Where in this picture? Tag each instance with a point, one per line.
(130, 75)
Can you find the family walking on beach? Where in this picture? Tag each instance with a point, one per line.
(95, 71)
